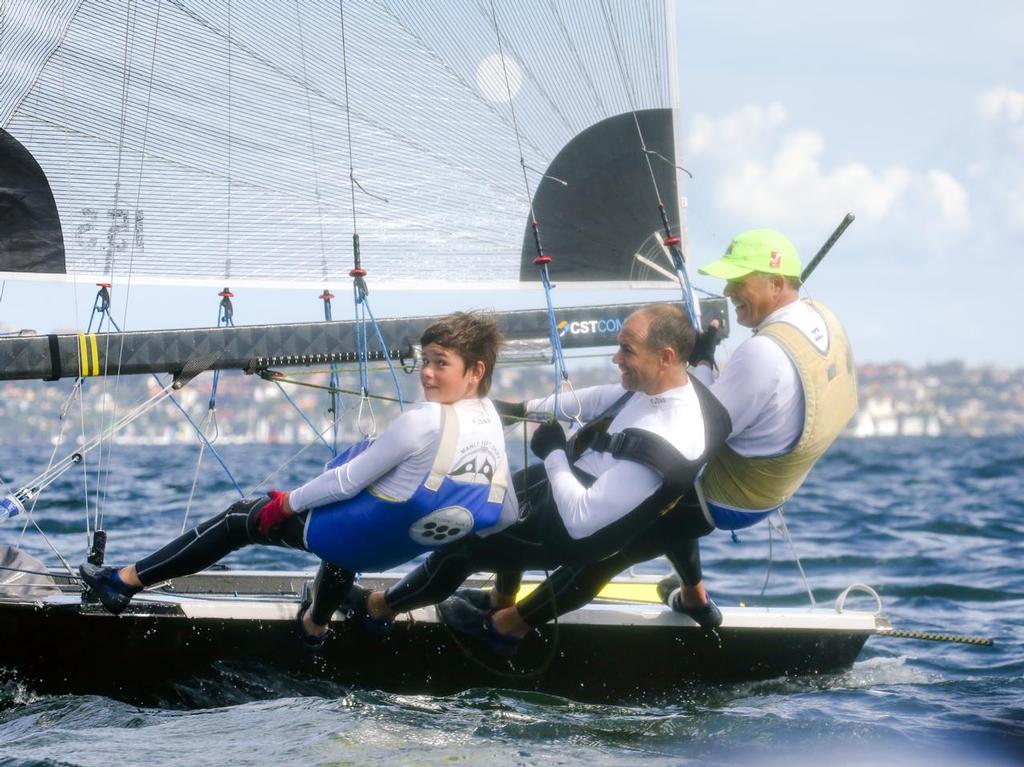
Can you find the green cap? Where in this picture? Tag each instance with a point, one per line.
(759, 250)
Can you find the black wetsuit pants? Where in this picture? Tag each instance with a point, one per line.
(539, 542)
(232, 529)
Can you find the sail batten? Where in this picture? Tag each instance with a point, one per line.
(176, 141)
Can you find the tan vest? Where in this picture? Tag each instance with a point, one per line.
(830, 400)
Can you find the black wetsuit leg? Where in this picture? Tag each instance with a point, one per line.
(569, 588)
(212, 540)
(519, 547)
(684, 555)
(332, 585)
(507, 582)
(572, 586)
(434, 580)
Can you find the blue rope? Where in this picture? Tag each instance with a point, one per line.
(362, 350)
(362, 312)
(195, 426)
(387, 357)
(689, 297)
(225, 318)
(209, 445)
(557, 356)
(101, 306)
(305, 418)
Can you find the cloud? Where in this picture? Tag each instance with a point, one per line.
(1002, 104)
(767, 172)
(745, 131)
(1000, 167)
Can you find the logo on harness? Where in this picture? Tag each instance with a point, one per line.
(441, 526)
(476, 468)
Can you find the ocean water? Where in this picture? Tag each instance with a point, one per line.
(935, 525)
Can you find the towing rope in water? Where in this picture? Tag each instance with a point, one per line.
(931, 637)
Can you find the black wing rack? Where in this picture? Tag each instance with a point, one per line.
(252, 348)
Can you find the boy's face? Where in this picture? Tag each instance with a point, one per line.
(445, 377)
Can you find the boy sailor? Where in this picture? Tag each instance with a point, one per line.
(438, 473)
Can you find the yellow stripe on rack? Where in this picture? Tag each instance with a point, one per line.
(613, 592)
(88, 355)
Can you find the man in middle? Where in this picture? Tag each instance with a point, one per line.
(614, 488)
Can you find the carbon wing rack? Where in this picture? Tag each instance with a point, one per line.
(254, 348)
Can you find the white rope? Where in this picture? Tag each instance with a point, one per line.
(35, 486)
(210, 418)
(792, 548)
(299, 452)
(841, 599)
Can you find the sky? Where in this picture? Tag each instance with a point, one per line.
(909, 114)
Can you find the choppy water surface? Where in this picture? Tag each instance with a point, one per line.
(935, 525)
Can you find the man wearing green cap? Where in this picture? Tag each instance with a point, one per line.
(790, 389)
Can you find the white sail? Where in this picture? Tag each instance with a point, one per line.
(206, 141)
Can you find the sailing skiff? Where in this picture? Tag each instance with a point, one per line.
(624, 646)
(211, 143)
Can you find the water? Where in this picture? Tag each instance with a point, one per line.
(935, 525)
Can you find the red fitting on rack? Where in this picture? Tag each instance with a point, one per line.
(671, 241)
(104, 284)
(226, 294)
(542, 260)
(326, 295)
(358, 272)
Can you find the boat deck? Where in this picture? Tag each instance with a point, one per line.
(624, 646)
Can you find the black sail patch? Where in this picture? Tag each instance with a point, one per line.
(31, 239)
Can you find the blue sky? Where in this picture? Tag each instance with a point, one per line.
(910, 114)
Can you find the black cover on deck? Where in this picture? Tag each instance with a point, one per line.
(31, 239)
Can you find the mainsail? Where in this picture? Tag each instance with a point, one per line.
(205, 141)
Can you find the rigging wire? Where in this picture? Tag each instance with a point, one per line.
(312, 138)
(671, 242)
(30, 509)
(541, 260)
(366, 422)
(103, 298)
(39, 483)
(333, 379)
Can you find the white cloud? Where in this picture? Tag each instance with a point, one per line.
(1000, 170)
(745, 131)
(1002, 103)
(769, 175)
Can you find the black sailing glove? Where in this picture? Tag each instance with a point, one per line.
(548, 438)
(510, 412)
(704, 348)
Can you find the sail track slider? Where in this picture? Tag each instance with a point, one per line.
(260, 364)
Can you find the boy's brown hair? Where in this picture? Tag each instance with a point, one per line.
(474, 336)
